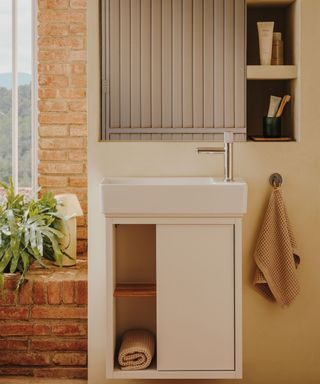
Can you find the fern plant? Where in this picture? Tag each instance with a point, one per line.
(29, 231)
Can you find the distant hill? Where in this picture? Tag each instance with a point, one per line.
(6, 79)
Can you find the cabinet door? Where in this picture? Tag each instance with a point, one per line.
(173, 69)
(195, 297)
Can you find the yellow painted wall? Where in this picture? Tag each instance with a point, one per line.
(279, 345)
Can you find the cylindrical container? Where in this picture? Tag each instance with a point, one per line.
(271, 127)
(277, 49)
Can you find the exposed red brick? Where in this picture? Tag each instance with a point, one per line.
(78, 55)
(77, 29)
(53, 80)
(60, 143)
(54, 292)
(19, 313)
(53, 4)
(59, 345)
(61, 312)
(82, 233)
(16, 329)
(68, 292)
(53, 29)
(54, 42)
(62, 118)
(73, 358)
(13, 345)
(65, 373)
(69, 16)
(80, 155)
(20, 358)
(60, 167)
(16, 371)
(52, 105)
(53, 55)
(41, 329)
(81, 292)
(53, 130)
(7, 297)
(25, 294)
(78, 130)
(69, 329)
(81, 246)
(39, 292)
(53, 181)
(78, 4)
(10, 281)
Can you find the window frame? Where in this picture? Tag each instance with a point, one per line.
(15, 102)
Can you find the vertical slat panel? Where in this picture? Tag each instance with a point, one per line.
(218, 64)
(187, 63)
(208, 63)
(114, 63)
(125, 63)
(166, 63)
(156, 63)
(177, 63)
(198, 63)
(105, 113)
(229, 64)
(146, 63)
(135, 64)
(239, 63)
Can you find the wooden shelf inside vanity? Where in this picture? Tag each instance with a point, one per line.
(135, 290)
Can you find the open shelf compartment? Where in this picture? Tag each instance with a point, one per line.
(264, 81)
(134, 286)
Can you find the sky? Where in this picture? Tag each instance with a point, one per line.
(24, 35)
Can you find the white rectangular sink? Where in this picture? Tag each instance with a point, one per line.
(172, 196)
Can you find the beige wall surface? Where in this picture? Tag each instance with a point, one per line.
(279, 345)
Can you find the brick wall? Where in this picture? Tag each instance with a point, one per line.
(63, 102)
(43, 328)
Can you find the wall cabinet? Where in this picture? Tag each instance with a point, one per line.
(173, 69)
(181, 279)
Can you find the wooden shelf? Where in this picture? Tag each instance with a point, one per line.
(135, 290)
(271, 72)
(269, 3)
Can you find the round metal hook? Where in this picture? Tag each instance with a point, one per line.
(276, 180)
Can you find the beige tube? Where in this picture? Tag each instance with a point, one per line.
(274, 105)
(265, 31)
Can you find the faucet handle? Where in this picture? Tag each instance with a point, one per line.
(228, 137)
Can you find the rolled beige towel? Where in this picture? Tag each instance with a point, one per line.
(136, 350)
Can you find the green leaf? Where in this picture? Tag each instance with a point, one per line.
(5, 260)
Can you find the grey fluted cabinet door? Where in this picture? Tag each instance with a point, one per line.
(173, 69)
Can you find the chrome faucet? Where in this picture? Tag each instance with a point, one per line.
(227, 150)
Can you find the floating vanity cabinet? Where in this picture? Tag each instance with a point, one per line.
(174, 268)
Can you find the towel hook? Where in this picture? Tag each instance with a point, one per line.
(276, 180)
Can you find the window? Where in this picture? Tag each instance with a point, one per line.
(17, 93)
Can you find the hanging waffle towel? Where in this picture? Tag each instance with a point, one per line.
(136, 350)
(276, 254)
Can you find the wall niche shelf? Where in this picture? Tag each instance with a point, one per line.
(271, 72)
(277, 80)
